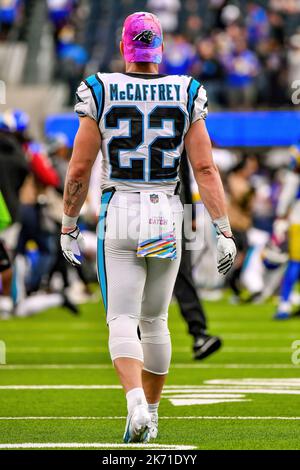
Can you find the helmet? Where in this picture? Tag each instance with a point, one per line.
(14, 120)
(22, 120)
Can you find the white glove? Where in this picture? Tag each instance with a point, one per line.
(280, 228)
(71, 244)
(226, 247)
(226, 253)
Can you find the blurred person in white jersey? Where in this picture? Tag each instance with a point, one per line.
(142, 121)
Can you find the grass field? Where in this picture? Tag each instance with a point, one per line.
(59, 390)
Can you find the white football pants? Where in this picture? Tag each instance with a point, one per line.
(136, 291)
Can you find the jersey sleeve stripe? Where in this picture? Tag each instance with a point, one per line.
(192, 91)
(97, 90)
(102, 95)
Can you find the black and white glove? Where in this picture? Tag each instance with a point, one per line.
(72, 244)
(226, 247)
(226, 253)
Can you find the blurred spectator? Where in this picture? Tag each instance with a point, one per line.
(272, 80)
(59, 154)
(215, 11)
(10, 12)
(257, 23)
(294, 59)
(241, 193)
(241, 66)
(37, 224)
(230, 14)
(167, 12)
(210, 71)
(13, 165)
(60, 11)
(72, 60)
(13, 171)
(193, 28)
(276, 22)
(179, 56)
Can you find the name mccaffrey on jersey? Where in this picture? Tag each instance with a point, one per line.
(145, 92)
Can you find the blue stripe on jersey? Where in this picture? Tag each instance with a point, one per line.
(97, 88)
(106, 197)
(193, 89)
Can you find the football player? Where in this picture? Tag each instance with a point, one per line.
(142, 121)
(288, 220)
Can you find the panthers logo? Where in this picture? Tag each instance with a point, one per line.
(146, 36)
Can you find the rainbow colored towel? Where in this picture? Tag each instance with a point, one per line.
(157, 233)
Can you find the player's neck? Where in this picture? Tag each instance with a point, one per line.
(141, 67)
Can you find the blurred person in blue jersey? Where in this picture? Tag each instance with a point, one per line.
(13, 171)
(142, 121)
(241, 69)
(14, 165)
(287, 224)
(24, 172)
(35, 225)
(257, 24)
(60, 11)
(179, 56)
(10, 12)
(72, 58)
(209, 70)
(59, 155)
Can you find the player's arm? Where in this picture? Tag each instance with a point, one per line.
(199, 151)
(198, 148)
(86, 147)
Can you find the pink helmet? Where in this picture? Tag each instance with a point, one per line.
(142, 38)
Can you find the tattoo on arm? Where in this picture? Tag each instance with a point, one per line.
(73, 187)
(75, 194)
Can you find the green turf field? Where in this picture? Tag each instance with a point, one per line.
(58, 388)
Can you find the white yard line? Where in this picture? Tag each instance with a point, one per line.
(58, 418)
(54, 366)
(171, 392)
(60, 387)
(109, 418)
(233, 366)
(173, 366)
(91, 445)
(242, 418)
(68, 350)
(97, 349)
(286, 382)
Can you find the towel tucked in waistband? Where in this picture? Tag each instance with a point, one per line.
(157, 232)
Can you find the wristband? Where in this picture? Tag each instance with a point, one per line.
(69, 222)
(222, 225)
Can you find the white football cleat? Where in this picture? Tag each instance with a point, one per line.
(153, 431)
(137, 425)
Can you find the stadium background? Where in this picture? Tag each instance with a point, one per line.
(247, 54)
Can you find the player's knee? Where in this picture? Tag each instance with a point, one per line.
(154, 330)
(156, 343)
(123, 338)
